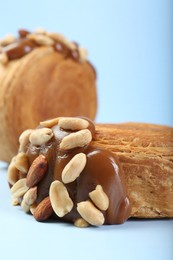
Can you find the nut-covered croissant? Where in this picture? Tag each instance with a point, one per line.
(42, 75)
(73, 171)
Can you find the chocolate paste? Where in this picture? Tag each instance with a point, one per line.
(102, 168)
(19, 48)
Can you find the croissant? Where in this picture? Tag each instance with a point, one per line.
(71, 170)
(42, 74)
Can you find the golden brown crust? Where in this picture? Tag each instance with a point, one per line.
(38, 86)
(146, 154)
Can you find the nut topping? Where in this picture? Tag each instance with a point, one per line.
(15, 201)
(73, 123)
(90, 213)
(25, 206)
(24, 139)
(30, 196)
(41, 136)
(60, 200)
(21, 162)
(74, 168)
(37, 171)
(77, 139)
(99, 198)
(41, 39)
(40, 31)
(44, 210)
(3, 58)
(69, 44)
(57, 37)
(32, 208)
(82, 54)
(80, 222)
(38, 38)
(19, 188)
(7, 40)
(49, 123)
(71, 177)
(13, 173)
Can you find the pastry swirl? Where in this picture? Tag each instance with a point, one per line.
(42, 74)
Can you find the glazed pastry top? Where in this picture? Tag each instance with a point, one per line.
(16, 47)
(90, 178)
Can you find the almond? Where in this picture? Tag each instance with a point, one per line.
(36, 171)
(44, 210)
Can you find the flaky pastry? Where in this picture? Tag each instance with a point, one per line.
(42, 75)
(72, 170)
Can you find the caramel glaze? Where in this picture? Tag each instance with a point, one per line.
(102, 168)
(19, 48)
(22, 46)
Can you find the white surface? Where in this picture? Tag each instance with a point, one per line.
(23, 238)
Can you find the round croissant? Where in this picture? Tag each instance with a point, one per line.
(41, 84)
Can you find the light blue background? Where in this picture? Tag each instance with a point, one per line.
(23, 238)
(130, 43)
(131, 46)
